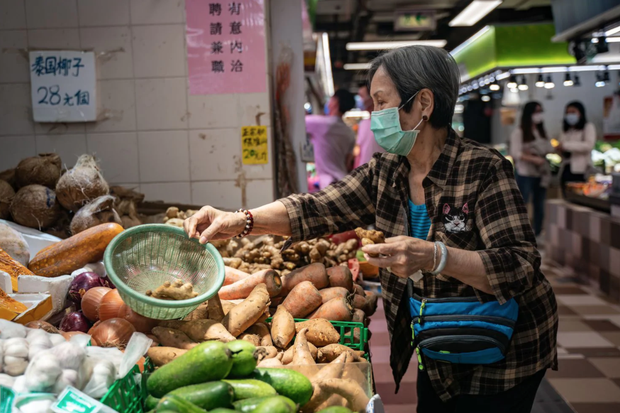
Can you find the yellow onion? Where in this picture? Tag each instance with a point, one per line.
(92, 300)
(111, 304)
(114, 332)
(43, 325)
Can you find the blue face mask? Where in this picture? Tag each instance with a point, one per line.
(385, 124)
(572, 118)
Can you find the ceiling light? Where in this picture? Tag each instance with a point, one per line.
(486, 98)
(502, 76)
(512, 83)
(549, 83)
(594, 40)
(459, 108)
(357, 114)
(525, 71)
(540, 82)
(599, 83)
(514, 90)
(568, 81)
(494, 87)
(356, 66)
(523, 85)
(613, 31)
(394, 44)
(475, 11)
(613, 40)
(469, 41)
(328, 77)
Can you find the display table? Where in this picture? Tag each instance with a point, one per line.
(587, 241)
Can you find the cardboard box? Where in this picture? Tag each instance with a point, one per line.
(39, 306)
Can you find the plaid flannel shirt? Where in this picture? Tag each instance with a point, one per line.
(498, 228)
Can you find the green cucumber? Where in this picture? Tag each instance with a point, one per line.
(277, 404)
(151, 402)
(177, 404)
(287, 382)
(222, 410)
(244, 358)
(207, 361)
(248, 405)
(207, 395)
(250, 388)
(335, 409)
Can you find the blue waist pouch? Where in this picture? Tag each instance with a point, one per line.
(461, 329)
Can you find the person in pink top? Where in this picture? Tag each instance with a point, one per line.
(366, 142)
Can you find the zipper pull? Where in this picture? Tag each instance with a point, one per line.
(420, 365)
(422, 309)
(412, 333)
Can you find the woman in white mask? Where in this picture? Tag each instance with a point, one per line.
(576, 143)
(459, 264)
(528, 147)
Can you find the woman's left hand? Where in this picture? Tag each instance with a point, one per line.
(404, 256)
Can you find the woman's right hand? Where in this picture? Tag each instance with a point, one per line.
(212, 224)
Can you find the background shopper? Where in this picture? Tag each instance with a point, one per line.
(528, 147)
(576, 143)
(366, 142)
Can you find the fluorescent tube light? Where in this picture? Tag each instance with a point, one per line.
(356, 66)
(357, 114)
(469, 41)
(394, 45)
(525, 71)
(503, 76)
(328, 64)
(613, 40)
(494, 87)
(475, 11)
(613, 31)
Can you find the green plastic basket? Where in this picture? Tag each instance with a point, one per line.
(144, 257)
(127, 395)
(347, 330)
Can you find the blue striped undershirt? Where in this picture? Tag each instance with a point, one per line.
(419, 221)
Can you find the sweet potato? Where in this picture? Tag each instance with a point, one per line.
(200, 313)
(340, 276)
(215, 309)
(333, 292)
(262, 331)
(242, 288)
(266, 352)
(272, 362)
(303, 299)
(320, 332)
(337, 309)
(164, 355)
(315, 273)
(250, 338)
(348, 389)
(359, 316)
(227, 305)
(331, 352)
(201, 330)
(170, 337)
(232, 275)
(302, 351)
(332, 371)
(289, 354)
(282, 327)
(245, 314)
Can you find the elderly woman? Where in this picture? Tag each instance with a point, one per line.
(459, 263)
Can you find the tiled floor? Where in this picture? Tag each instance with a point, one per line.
(589, 352)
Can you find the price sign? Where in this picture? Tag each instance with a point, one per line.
(71, 400)
(254, 145)
(63, 86)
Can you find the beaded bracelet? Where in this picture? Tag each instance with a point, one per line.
(249, 223)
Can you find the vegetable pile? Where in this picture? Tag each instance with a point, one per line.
(39, 194)
(227, 377)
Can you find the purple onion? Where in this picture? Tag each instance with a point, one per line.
(84, 282)
(75, 321)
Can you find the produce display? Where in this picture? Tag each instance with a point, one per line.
(178, 290)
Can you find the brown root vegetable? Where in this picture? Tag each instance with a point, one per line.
(8, 176)
(99, 211)
(14, 244)
(164, 355)
(370, 307)
(248, 312)
(359, 302)
(35, 206)
(359, 290)
(39, 170)
(375, 236)
(333, 292)
(350, 390)
(262, 331)
(340, 276)
(227, 306)
(7, 193)
(243, 288)
(233, 275)
(266, 352)
(289, 354)
(331, 352)
(270, 362)
(173, 291)
(232, 263)
(315, 273)
(215, 310)
(333, 370)
(81, 184)
(337, 309)
(170, 337)
(201, 330)
(200, 313)
(250, 338)
(359, 316)
(303, 299)
(320, 332)
(42, 325)
(302, 356)
(282, 327)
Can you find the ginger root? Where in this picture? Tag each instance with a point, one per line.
(370, 237)
(173, 291)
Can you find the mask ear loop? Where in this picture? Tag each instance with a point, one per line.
(403, 105)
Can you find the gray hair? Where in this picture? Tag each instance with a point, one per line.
(414, 68)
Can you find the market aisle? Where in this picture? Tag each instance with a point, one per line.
(589, 353)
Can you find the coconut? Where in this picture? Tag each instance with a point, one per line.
(35, 206)
(61, 227)
(6, 197)
(39, 170)
(9, 176)
(14, 244)
(82, 184)
(100, 211)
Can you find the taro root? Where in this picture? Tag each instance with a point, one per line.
(35, 206)
(82, 184)
(38, 170)
(6, 197)
(100, 211)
